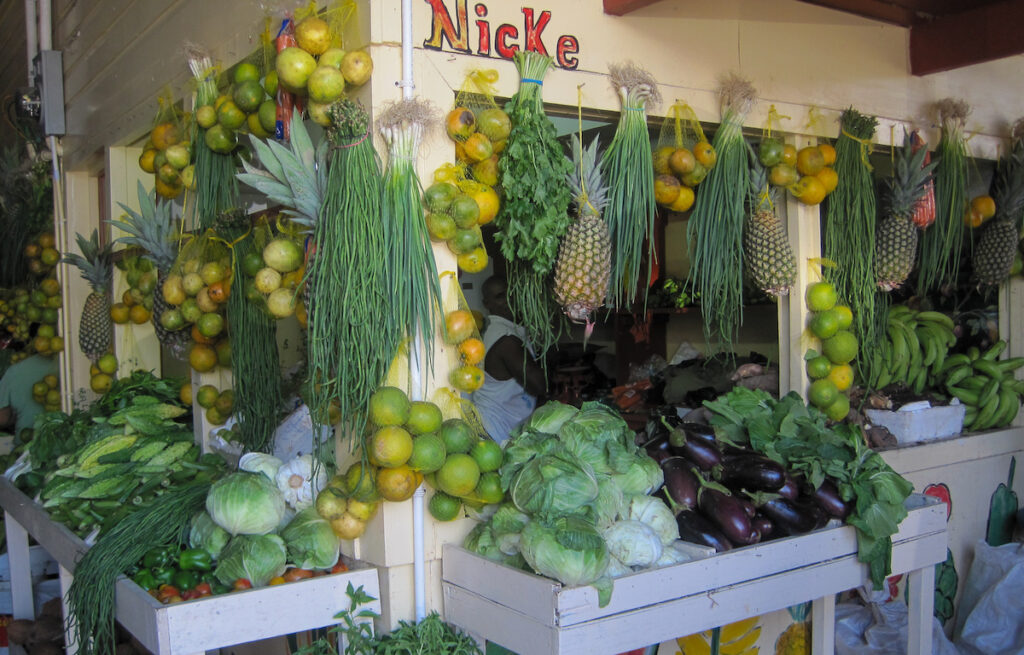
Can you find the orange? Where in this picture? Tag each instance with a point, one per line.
(809, 160)
(361, 483)
(684, 201)
(472, 351)
(682, 161)
(783, 175)
(219, 291)
(444, 507)
(457, 435)
(428, 453)
(100, 383)
(829, 178)
(138, 314)
(390, 446)
(202, 358)
(488, 455)
(839, 408)
(809, 190)
(206, 396)
(459, 325)
(389, 406)
(199, 337)
(842, 376)
(478, 147)
(398, 483)
(185, 393)
(822, 393)
(666, 189)
(458, 475)
(424, 417)
(489, 203)
(146, 160)
(789, 155)
(973, 218)
(705, 154)
(119, 313)
(828, 153)
(165, 135)
(661, 158)
(473, 261)
(467, 378)
(840, 348)
(985, 206)
(488, 490)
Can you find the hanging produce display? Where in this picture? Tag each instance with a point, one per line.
(941, 246)
(830, 371)
(997, 245)
(155, 230)
(766, 251)
(677, 168)
(533, 217)
(96, 266)
(168, 152)
(136, 303)
(715, 230)
(628, 169)
(897, 235)
(849, 234)
(26, 196)
(583, 267)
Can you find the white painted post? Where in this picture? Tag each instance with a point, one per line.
(21, 569)
(921, 586)
(65, 576)
(823, 625)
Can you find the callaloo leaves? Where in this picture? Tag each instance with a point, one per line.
(534, 215)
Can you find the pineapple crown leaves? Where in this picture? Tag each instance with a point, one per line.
(294, 176)
(589, 191)
(760, 194)
(152, 228)
(910, 177)
(1008, 182)
(95, 262)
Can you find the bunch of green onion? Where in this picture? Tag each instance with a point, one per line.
(414, 296)
(627, 165)
(939, 263)
(216, 186)
(715, 230)
(350, 335)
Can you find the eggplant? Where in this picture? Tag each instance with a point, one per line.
(681, 482)
(700, 431)
(827, 498)
(752, 472)
(790, 517)
(696, 529)
(728, 513)
(704, 454)
(763, 525)
(789, 490)
(810, 507)
(748, 506)
(659, 456)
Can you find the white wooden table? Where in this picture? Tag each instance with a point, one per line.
(533, 615)
(192, 626)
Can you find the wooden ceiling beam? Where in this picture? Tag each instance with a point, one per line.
(623, 7)
(887, 12)
(969, 37)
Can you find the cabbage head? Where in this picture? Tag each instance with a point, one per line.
(256, 462)
(205, 534)
(481, 541)
(655, 513)
(555, 484)
(609, 504)
(506, 526)
(310, 540)
(254, 557)
(673, 554)
(550, 417)
(567, 549)
(633, 543)
(245, 503)
(616, 569)
(643, 476)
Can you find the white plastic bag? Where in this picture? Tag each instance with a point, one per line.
(990, 616)
(881, 629)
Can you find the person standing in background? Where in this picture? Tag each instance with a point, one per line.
(513, 380)
(17, 408)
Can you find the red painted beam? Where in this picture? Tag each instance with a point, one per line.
(886, 12)
(623, 7)
(969, 37)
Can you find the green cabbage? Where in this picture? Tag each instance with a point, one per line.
(481, 541)
(653, 511)
(549, 418)
(567, 549)
(554, 484)
(633, 543)
(245, 503)
(610, 502)
(253, 557)
(205, 534)
(644, 476)
(506, 525)
(260, 463)
(311, 542)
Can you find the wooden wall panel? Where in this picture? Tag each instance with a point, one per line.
(14, 66)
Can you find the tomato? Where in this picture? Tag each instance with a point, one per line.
(340, 567)
(276, 580)
(202, 589)
(293, 574)
(241, 583)
(166, 592)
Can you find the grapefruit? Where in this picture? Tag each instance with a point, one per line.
(294, 66)
(457, 435)
(424, 417)
(428, 453)
(389, 406)
(459, 475)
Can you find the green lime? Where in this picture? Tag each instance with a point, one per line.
(824, 324)
(822, 393)
(839, 408)
(488, 455)
(488, 489)
(389, 406)
(428, 453)
(424, 417)
(457, 435)
(246, 72)
(248, 95)
(841, 348)
(252, 263)
(821, 296)
(818, 367)
(444, 507)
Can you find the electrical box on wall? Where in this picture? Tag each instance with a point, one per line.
(49, 74)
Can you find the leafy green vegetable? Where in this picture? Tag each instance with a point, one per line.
(311, 542)
(554, 484)
(206, 534)
(253, 557)
(795, 435)
(245, 503)
(567, 549)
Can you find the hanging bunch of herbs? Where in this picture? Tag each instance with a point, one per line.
(534, 213)
(850, 219)
(216, 186)
(414, 291)
(627, 165)
(715, 230)
(351, 338)
(255, 364)
(939, 263)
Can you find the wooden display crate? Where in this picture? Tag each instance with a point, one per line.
(191, 626)
(532, 614)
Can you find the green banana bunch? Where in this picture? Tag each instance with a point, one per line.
(986, 385)
(915, 349)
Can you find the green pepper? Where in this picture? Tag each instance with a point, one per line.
(195, 559)
(185, 579)
(218, 587)
(145, 579)
(164, 575)
(156, 557)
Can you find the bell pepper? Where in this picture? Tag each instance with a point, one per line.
(185, 579)
(164, 575)
(145, 579)
(195, 559)
(160, 556)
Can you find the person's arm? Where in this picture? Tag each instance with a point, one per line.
(6, 417)
(507, 358)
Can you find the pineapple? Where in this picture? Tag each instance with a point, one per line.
(996, 247)
(154, 229)
(896, 239)
(95, 265)
(766, 250)
(583, 267)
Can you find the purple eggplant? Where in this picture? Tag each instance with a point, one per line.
(728, 513)
(827, 497)
(763, 525)
(704, 454)
(752, 472)
(696, 529)
(790, 517)
(699, 431)
(681, 482)
(748, 506)
(812, 509)
(659, 456)
(789, 490)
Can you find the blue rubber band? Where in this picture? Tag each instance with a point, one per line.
(532, 81)
(634, 108)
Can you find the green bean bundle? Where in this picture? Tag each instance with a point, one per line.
(715, 230)
(850, 233)
(534, 214)
(351, 336)
(629, 169)
(255, 363)
(414, 291)
(216, 186)
(90, 598)
(939, 263)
